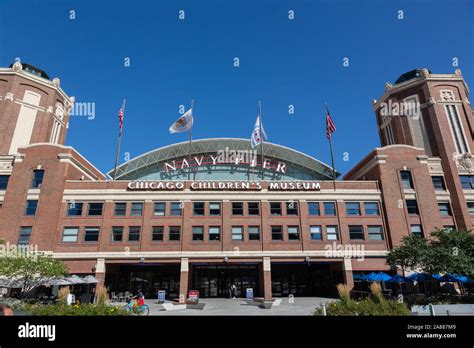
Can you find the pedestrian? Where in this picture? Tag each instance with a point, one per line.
(5, 310)
(233, 291)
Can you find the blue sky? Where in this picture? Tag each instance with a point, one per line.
(282, 62)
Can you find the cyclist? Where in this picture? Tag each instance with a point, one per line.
(139, 297)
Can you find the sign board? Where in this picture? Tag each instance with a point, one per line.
(161, 295)
(193, 295)
(249, 293)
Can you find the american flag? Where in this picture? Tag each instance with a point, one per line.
(330, 126)
(120, 116)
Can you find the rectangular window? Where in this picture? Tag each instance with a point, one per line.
(95, 209)
(313, 208)
(31, 207)
(74, 209)
(449, 228)
(4, 181)
(438, 183)
(157, 233)
(254, 233)
(175, 233)
(416, 230)
(375, 232)
(470, 207)
(329, 209)
(117, 234)
(356, 232)
(237, 233)
(352, 208)
(120, 209)
(444, 209)
(175, 208)
(371, 208)
(198, 233)
(293, 233)
(137, 209)
(407, 180)
(159, 209)
(275, 208)
(315, 233)
(389, 134)
(214, 233)
(412, 207)
(291, 208)
(467, 182)
(91, 234)
(215, 208)
(70, 234)
(198, 208)
(456, 129)
(237, 208)
(38, 176)
(331, 233)
(254, 208)
(277, 233)
(134, 233)
(25, 235)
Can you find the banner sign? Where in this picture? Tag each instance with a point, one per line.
(223, 186)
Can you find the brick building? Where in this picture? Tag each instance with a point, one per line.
(206, 217)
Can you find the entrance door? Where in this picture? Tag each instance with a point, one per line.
(216, 280)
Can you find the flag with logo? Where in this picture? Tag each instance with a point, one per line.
(183, 123)
(258, 134)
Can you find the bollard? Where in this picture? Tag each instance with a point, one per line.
(431, 308)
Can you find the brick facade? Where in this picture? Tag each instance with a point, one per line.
(70, 180)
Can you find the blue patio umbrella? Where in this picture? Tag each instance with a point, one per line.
(421, 277)
(399, 279)
(453, 278)
(376, 277)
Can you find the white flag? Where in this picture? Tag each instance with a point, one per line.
(257, 134)
(183, 123)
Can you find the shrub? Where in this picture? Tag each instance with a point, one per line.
(376, 291)
(16, 305)
(344, 292)
(101, 295)
(76, 310)
(63, 294)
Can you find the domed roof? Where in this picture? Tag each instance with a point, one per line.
(176, 161)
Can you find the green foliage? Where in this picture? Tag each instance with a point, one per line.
(366, 307)
(76, 310)
(447, 252)
(30, 268)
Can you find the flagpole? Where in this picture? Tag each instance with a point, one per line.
(330, 147)
(261, 135)
(190, 140)
(119, 140)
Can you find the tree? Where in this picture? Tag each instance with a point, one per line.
(447, 252)
(28, 269)
(410, 255)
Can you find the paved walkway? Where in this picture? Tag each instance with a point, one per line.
(219, 306)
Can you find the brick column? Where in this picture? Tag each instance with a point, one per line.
(267, 278)
(184, 279)
(347, 271)
(100, 273)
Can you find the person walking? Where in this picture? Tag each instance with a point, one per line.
(233, 291)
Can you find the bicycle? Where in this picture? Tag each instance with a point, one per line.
(142, 310)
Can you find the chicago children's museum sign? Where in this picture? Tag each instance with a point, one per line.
(223, 185)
